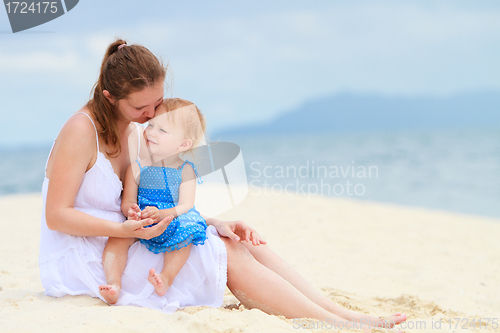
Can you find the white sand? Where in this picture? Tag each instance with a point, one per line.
(375, 258)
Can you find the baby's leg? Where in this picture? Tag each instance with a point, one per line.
(172, 264)
(114, 260)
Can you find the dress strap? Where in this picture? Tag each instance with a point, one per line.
(139, 164)
(200, 181)
(138, 127)
(95, 128)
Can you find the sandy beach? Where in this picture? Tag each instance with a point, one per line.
(371, 257)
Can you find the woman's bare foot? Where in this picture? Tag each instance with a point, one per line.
(379, 322)
(159, 281)
(389, 322)
(110, 292)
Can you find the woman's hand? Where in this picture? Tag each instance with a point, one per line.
(136, 229)
(151, 212)
(237, 230)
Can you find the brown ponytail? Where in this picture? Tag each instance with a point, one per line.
(125, 69)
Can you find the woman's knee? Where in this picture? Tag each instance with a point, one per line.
(237, 254)
(240, 264)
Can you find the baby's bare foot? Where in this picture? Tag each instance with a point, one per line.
(110, 292)
(160, 282)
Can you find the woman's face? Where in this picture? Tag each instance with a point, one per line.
(140, 106)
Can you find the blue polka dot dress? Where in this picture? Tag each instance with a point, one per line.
(159, 187)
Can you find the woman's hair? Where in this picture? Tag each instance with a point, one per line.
(125, 69)
(191, 119)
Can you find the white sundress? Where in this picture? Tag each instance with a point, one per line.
(72, 265)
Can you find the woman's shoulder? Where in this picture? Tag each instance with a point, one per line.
(76, 142)
(79, 132)
(79, 126)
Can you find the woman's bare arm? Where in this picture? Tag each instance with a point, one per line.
(74, 151)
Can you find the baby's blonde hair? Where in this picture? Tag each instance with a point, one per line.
(191, 119)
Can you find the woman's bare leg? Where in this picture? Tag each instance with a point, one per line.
(271, 260)
(256, 286)
(114, 260)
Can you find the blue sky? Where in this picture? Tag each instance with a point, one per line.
(247, 61)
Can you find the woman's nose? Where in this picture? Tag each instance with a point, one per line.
(150, 112)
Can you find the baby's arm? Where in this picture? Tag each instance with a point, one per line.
(187, 190)
(129, 198)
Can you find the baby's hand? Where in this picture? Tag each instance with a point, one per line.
(134, 213)
(151, 212)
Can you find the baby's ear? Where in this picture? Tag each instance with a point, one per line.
(185, 145)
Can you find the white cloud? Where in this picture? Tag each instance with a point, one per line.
(38, 61)
(249, 66)
(265, 63)
(97, 44)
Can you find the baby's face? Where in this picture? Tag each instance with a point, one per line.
(164, 136)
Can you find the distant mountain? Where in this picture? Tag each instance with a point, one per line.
(349, 112)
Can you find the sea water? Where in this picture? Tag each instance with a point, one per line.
(454, 170)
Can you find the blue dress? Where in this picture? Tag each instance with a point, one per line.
(159, 187)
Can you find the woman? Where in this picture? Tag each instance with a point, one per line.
(82, 208)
